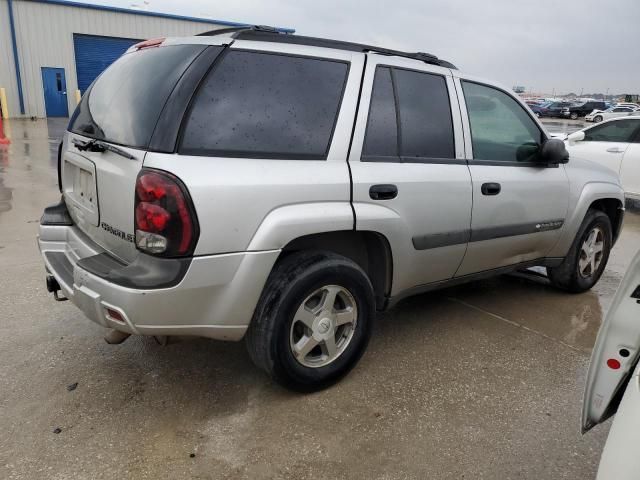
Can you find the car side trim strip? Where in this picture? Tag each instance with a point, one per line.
(490, 233)
(447, 239)
(425, 242)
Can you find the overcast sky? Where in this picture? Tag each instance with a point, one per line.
(566, 45)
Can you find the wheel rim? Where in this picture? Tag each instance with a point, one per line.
(323, 326)
(598, 119)
(591, 253)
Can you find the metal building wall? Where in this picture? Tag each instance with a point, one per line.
(7, 71)
(44, 34)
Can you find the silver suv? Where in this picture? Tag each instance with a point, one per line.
(282, 189)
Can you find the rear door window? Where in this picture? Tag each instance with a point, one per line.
(123, 104)
(616, 131)
(264, 105)
(426, 126)
(409, 118)
(381, 138)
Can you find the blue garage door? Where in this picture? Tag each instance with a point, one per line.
(94, 54)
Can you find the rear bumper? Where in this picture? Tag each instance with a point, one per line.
(212, 296)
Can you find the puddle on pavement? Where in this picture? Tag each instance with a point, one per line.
(559, 125)
(33, 150)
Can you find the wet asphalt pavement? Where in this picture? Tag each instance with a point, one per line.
(482, 381)
(560, 125)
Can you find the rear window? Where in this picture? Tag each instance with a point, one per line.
(123, 105)
(264, 105)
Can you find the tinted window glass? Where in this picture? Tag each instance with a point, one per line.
(617, 131)
(426, 127)
(123, 104)
(266, 105)
(381, 139)
(501, 130)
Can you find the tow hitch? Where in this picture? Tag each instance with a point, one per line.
(54, 287)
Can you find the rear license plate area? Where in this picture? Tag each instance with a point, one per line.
(79, 185)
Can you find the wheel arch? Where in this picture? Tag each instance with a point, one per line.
(603, 196)
(370, 250)
(614, 209)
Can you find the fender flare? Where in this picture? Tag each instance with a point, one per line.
(284, 224)
(591, 192)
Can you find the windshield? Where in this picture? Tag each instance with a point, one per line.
(123, 104)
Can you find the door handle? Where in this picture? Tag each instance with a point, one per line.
(491, 188)
(614, 150)
(383, 192)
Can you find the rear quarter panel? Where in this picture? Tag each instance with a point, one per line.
(249, 204)
(236, 199)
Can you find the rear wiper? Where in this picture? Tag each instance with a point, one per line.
(98, 146)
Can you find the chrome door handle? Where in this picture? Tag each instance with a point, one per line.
(614, 150)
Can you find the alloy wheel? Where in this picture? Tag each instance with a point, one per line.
(323, 326)
(591, 253)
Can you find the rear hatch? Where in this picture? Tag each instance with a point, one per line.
(615, 353)
(109, 134)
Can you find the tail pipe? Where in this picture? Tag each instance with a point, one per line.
(54, 287)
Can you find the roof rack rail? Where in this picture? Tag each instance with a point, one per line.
(256, 28)
(270, 34)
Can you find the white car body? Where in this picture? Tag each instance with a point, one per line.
(613, 112)
(614, 363)
(599, 146)
(627, 104)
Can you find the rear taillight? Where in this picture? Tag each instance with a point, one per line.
(165, 220)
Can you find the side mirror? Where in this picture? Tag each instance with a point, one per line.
(575, 137)
(554, 152)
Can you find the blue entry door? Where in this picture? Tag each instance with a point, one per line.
(55, 92)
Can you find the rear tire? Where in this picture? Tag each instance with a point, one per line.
(588, 256)
(313, 321)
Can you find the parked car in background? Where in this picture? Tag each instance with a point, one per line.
(538, 107)
(552, 109)
(627, 104)
(580, 110)
(613, 381)
(613, 112)
(614, 144)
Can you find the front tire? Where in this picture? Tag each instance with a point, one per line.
(573, 116)
(588, 256)
(598, 118)
(313, 321)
